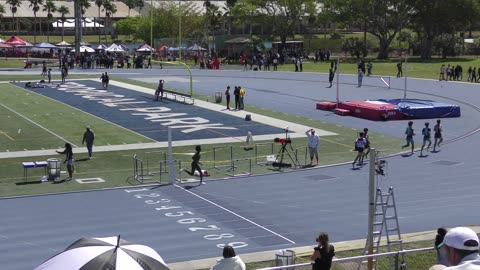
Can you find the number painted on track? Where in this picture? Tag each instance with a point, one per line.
(234, 245)
(166, 207)
(157, 202)
(209, 228)
(191, 220)
(179, 214)
(151, 195)
(218, 236)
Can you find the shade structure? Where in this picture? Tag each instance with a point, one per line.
(45, 45)
(107, 253)
(101, 47)
(144, 48)
(195, 47)
(16, 41)
(2, 41)
(115, 48)
(84, 49)
(63, 44)
(5, 46)
(164, 47)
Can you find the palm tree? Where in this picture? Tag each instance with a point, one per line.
(99, 4)
(84, 5)
(49, 7)
(2, 10)
(63, 10)
(34, 4)
(110, 8)
(14, 4)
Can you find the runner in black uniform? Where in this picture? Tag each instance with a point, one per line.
(437, 129)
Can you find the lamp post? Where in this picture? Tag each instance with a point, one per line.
(180, 30)
(151, 29)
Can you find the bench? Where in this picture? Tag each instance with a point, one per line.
(33, 164)
(182, 97)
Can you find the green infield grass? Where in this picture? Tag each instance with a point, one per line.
(33, 122)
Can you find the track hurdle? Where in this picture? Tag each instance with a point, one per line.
(228, 150)
(151, 160)
(248, 172)
(139, 173)
(259, 156)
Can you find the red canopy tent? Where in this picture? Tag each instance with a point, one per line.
(16, 41)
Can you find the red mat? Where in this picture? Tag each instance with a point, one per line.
(372, 110)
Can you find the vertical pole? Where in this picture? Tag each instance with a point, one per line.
(389, 84)
(371, 205)
(406, 76)
(171, 167)
(338, 80)
(151, 29)
(78, 25)
(180, 30)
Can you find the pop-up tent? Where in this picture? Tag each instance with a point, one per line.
(16, 41)
(45, 45)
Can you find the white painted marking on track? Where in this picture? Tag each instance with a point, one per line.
(233, 213)
(31, 121)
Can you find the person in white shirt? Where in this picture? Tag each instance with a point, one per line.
(230, 261)
(313, 143)
(462, 249)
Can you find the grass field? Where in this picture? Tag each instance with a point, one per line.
(34, 122)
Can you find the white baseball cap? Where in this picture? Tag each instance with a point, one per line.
(457, 237)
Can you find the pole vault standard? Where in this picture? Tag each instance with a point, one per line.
(338, 80)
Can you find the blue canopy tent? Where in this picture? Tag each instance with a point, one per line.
(45, 45)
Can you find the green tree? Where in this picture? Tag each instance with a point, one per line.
(381, 18)
(84, 6)
(99, 4)
(63, 10)
(50, 8)
(109, 8)
(285, 15)
(431, 19)
(35, 5)
(2, 10)
(130, 4)
(14, 4)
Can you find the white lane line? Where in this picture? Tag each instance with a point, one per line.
(31, 121)
(233, 213)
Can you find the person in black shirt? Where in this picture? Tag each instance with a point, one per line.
(323, 253)
(88, 137)
(227, 96)
(68, 159)
(236, 93)
(195, 164)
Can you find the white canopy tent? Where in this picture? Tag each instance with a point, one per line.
(115, 48)
(84, 49)
(70, 23)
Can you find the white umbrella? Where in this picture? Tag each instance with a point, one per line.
(105, 253)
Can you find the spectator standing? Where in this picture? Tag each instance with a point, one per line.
(474, 74)
(462, 249)
(360, 77)
(440, 247)
(331, 75)
(230, 261)
(366, 150)
(227, 96)
(88, 137)
(49, 75)
(369, 68)
(68, 160)
(236, 93)
(160, 90)
(409, 133)
(195, 164)
(442, 73)
(449, 72)
(469, 71)
(275, 63)
(399, 70)
(323, 253)
(360, 143)
(313, 143)
(63, 74)
(426, 132)
(241, 93)
(437, 129)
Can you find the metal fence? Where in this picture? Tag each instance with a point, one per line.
(415, 259)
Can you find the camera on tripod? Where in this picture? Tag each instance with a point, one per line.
(285, 151)
(283, 141)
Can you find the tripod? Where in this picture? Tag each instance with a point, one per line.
(284, 150)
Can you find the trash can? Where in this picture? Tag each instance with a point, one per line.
(53, 168)
(285, 257)
(218, 97)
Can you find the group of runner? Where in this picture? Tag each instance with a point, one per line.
(362, 143)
